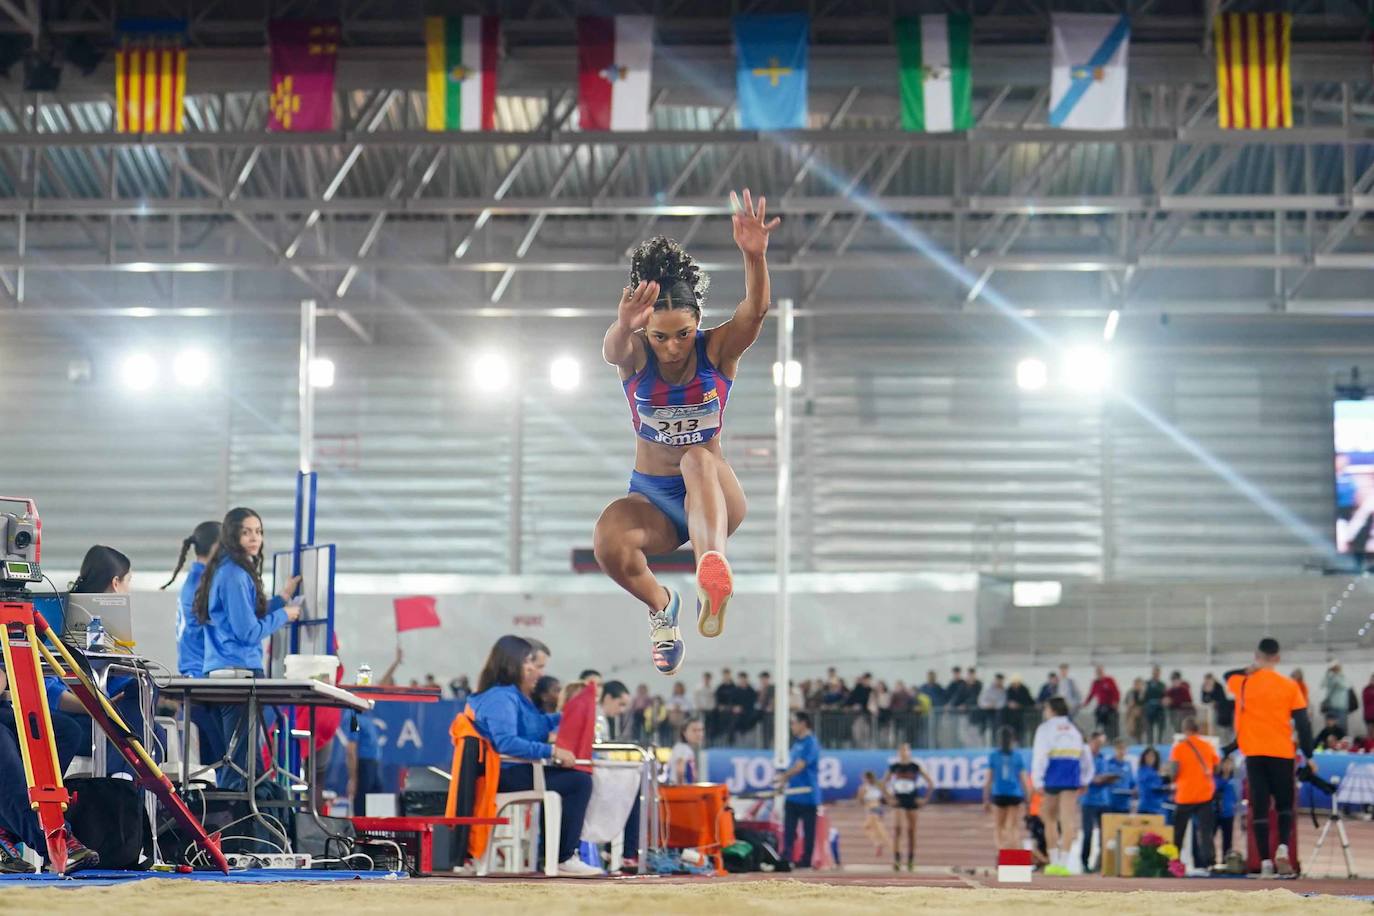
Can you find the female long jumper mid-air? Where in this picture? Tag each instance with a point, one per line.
(677, 378)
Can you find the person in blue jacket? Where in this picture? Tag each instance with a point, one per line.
(1225, 801)
(504, 714)
(191, 634)
(1150, 789)
(1123, 787)
(237, 616)
(1097, 799)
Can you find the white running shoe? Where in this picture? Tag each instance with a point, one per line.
(1267, 869)
(1283, 863)
(665, 637)
(574, 867)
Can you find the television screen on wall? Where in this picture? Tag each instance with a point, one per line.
(1354, 431)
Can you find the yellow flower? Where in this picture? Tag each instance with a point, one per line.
(1169, 851)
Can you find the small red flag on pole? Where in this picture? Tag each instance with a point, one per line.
(416, 612)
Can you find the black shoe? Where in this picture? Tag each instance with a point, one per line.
(11, 864)
(80, 858)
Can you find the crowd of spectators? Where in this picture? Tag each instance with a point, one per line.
(737, 708)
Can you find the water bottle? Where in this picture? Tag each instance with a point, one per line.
(95, 633)
(364, 675)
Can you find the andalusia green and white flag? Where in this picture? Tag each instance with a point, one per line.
(937, 89)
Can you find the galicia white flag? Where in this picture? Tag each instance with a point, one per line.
(1088, 80)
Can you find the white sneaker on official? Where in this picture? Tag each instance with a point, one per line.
(1198, 873)
(1283, 863)
(576, 868)
(1267, 868)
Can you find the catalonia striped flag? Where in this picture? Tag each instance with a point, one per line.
(1254, 83)
(150, 83)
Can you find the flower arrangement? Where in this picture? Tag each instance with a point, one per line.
(1157, 859)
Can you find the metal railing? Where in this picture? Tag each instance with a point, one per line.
(952, 729)
(1163, 622)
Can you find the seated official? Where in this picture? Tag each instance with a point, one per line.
(504, 714)
(18, 820)
(104, 571)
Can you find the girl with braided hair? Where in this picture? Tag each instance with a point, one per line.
(677, 379)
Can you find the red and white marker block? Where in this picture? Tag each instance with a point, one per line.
(1014, 866)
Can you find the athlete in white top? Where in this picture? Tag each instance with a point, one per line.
(1061, 765)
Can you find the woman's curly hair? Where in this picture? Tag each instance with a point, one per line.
(663, 261)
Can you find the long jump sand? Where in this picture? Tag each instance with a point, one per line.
(718, 898)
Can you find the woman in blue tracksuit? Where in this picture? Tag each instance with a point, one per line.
(237, 616)
(504, 714)
(1149, 784)
(1225, 780)
(191, 635)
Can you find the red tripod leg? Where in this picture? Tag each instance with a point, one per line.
(109, 721)
(33, 723)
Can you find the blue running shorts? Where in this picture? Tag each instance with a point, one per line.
(668, 494)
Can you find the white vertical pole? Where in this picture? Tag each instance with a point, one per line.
(782, 421)
(306, 390)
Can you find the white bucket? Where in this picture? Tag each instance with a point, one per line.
(312, 667)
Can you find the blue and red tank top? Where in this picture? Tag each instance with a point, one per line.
(680, 415)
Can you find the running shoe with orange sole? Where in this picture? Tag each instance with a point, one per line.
(715, 585)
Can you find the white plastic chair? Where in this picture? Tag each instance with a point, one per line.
(520, 846)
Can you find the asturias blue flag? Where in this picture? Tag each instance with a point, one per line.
(770, 67)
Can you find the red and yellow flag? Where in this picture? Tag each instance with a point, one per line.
(150, 85)
(1254, 84)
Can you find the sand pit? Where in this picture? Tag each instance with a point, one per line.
(785, 898)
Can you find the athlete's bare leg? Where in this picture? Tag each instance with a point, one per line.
(629, 530)
(715, 500)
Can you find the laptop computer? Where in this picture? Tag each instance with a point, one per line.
(112, 609)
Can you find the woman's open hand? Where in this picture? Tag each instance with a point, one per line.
(636, 305)
(751, 225)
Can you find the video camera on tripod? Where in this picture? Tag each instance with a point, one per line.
(21, 544)
(1308, 774)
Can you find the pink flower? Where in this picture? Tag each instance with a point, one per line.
(1177, 868)
(1151, 840)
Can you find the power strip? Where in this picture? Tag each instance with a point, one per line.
(267, 860)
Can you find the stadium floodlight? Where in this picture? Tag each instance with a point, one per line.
(565, 373)
(138, 372)
(1109, 329)
(793, 374)
(1031, 374)
(1086, 369)
(321, 373)
(191, 368)
(491, 372)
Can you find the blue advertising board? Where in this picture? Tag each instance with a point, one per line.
(416, 734)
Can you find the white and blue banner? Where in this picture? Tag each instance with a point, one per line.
(1088, 76)
(958, 775)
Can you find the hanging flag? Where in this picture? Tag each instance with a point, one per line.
(461, 56)
(418, 612)
(615, 55)
(770, 70)
(1088, 78)
(933, 60)
(1254, 88)
(150, 77)
(303, 54)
